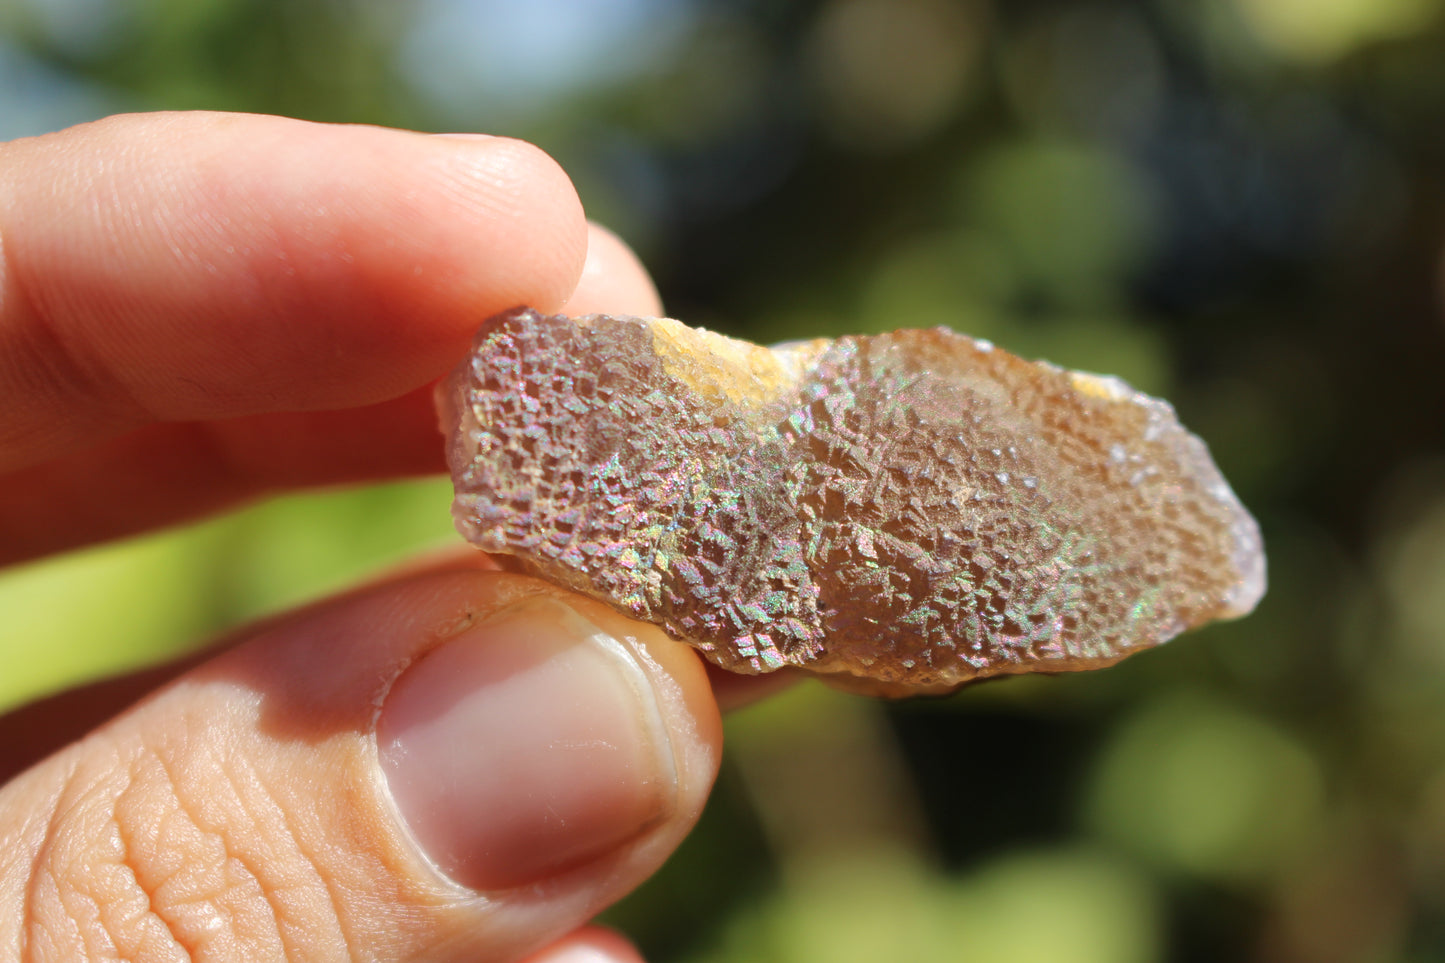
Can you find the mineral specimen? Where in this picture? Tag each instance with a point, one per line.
(900, 513)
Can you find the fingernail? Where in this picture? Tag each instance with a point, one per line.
(526, 746)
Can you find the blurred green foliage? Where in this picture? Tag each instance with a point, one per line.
(1236, 203)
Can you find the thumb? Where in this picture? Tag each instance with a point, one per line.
(455, 765)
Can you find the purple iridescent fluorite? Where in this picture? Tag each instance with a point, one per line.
(905, 512)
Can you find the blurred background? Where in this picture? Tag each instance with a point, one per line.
(1237, 204)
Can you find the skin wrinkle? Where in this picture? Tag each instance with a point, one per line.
(190, 229)
(493, 167)
(222, 827)
(69, 868)
(91, 864)
(254, 794)
(261, 274)
(38, 860)
(336, 902)
(128, 863)
(146, 887)
(119, 226)
(307, 858)
(263, 266)
(47, 365)
(47, 368)
(85, 908)
(217, 891)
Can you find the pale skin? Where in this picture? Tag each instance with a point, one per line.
(205, 309)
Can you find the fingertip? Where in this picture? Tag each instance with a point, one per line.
(529, 204)
(613, 279)
(275, 748)
(199, 266)
(584, 737)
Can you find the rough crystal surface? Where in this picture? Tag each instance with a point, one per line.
(903, 512)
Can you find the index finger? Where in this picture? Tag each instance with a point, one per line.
(175, 267)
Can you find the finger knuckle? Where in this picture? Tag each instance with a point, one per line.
(175, 851)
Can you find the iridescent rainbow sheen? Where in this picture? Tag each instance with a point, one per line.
(915, 509)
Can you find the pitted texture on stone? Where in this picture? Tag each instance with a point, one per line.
(916, 509)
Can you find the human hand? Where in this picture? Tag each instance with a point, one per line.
(200, 309)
